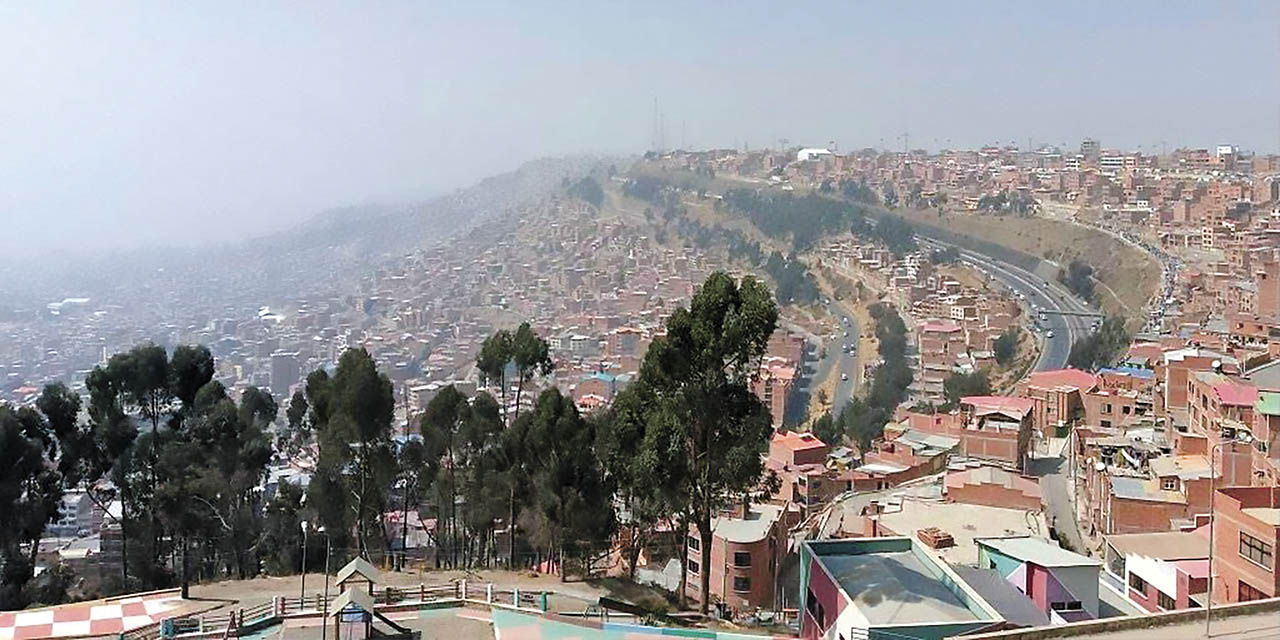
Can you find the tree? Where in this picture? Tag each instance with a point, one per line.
(572, 496)
(959, 385)
(30, 489)
(1006, 346)
(495, 354)
(828, 430)
(703, 415)
(588, 189)
(1099, 348)
(415, 470)
(442, 426)
(531, 356)
(636, 477)
(355, 444)
(1079, 279)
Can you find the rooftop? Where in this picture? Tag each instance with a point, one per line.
(753, 528)
(1268, 403)
(1162, 545)
(1013, 605)
(1062, 378)
(965, 522)
(1014, 407)
(1143, 489)
(1038, 550)
(1185, 467)
(797, 441)
(896, 581)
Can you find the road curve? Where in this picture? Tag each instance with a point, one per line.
(1041, 294)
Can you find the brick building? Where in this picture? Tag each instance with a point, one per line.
(1057, 397)
(746, 550)
(1246, 544)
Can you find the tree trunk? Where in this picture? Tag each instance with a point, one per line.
(683, 545)
(186, 574)
(704, 535)
(404, 531)
(634, 552)
(511, 529)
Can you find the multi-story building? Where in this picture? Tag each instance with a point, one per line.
(1246, 544)
(747, 547)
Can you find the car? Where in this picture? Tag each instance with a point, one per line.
(1049, 333)
(844, 377)
(846, 334)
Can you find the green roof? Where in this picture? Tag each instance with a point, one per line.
(1268, 403)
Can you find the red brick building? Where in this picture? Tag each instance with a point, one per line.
(1246, 544)
(1057, 397)
(746, 550)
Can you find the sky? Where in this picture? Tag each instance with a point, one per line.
(125, 125)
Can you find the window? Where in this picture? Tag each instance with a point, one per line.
(1125, 410)
(1255, 550)
(1069, 605)
(1248, 593)
(814, 608)
(1106, 408)
(1137, 583)
(741, 584)
(1169, 484)
(1165, 602)
(741, 558)
(694, 543)
(693, 566)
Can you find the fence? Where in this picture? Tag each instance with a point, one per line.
(233, 623)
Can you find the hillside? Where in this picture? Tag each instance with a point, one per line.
(1128, 276)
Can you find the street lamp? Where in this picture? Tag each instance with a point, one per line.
(1241, 437)
(303, 602)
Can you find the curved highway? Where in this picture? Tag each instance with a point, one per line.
(1040, 295)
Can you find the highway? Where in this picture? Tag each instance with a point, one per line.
(1039, 294)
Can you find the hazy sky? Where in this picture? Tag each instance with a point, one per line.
(128, 123)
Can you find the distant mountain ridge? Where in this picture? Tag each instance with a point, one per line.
(313, 256)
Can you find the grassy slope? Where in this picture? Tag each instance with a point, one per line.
(1130, 273)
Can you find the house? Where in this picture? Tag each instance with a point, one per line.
(1162, 570)
(1057, 397)
(903, 454)
(885, 588)
(1062, 583)
(998, 428)
(1246, 543)
(747, 547)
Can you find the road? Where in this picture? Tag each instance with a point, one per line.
(838, 362)
(1050, 466)
(1040, 294)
